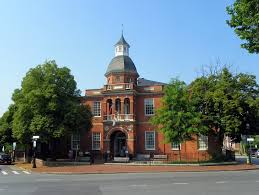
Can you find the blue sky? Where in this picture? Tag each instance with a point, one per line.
(168, 39)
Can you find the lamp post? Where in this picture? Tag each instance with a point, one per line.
(14, 146)
(34, 138)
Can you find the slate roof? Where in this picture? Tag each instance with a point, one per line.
(121, 64)
(122, 41)
(144, 82)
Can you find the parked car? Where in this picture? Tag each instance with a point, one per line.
(253, 152)
(5, 158)
(257, 153)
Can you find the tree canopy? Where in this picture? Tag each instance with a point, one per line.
(220, 103)
(245, 20)
(229, 102)
(177, 118)
(6, 122)
(48, 105)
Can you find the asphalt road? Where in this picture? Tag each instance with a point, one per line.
(215, 183)
(6, 170)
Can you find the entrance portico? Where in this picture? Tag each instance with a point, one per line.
(118, 144)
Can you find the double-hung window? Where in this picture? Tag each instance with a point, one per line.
(96, 141)
(175, 145)
(202, 142)
(150, 140)
(97, 108)
(149, 106)
(75, 141)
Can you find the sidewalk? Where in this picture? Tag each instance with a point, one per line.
(94, 169)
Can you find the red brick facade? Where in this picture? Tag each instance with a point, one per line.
(122, 117)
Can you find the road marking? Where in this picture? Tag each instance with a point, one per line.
(180, 183)
(26, 172)
(257, 181)
(48, 180)
(4, 173)
(139, 185)
(15, 172)
(221, 182)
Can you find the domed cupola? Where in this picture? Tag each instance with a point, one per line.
(122, 63)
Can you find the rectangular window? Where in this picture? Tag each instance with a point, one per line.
(96, 141)
(150, 140)
(175, 145)
(75, 141)
(149, 106)
(97, 109)
(202, 142)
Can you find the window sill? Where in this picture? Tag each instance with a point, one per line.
(150, 149)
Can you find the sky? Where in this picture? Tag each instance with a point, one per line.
(168, 39)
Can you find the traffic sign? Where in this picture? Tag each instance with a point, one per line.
(250, 139)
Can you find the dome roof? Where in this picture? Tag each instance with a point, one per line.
(121, 64)
(122, 41)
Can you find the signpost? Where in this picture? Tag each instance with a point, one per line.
(249, 140)
(34, 138)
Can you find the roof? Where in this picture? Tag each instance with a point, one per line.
(121, 64)
(122, 41)
(145, 82)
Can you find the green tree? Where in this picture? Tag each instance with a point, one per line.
(6, 123)
(177, 118)
(245, 20)
(228, 103)
(48, 105)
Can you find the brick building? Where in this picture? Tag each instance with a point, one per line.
(122, 109)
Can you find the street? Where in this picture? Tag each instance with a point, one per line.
(7, 170)
(227, 182)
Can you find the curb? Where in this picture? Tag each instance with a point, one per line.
(144, 172)
(162, 164)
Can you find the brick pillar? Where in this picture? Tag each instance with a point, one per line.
(122, 106)
(130, 143)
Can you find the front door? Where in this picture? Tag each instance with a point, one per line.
(119, 144)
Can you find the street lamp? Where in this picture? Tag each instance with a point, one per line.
(34, 138)
(14, 146)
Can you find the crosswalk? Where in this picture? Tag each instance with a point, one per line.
(5, 173)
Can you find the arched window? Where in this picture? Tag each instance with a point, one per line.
(126, 106)
(118, 106)
(109, 106)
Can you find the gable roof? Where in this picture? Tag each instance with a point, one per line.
(145, 82)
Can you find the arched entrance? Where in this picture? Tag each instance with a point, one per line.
(118, 144)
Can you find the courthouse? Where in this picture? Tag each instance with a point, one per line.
(121, 112)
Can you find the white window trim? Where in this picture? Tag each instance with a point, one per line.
(176, 149)
(72, 139)
(203, 149)
(154, 148)
(93, 140)
(100, 109)
(145, 107)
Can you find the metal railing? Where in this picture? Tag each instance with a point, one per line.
(118, 117)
